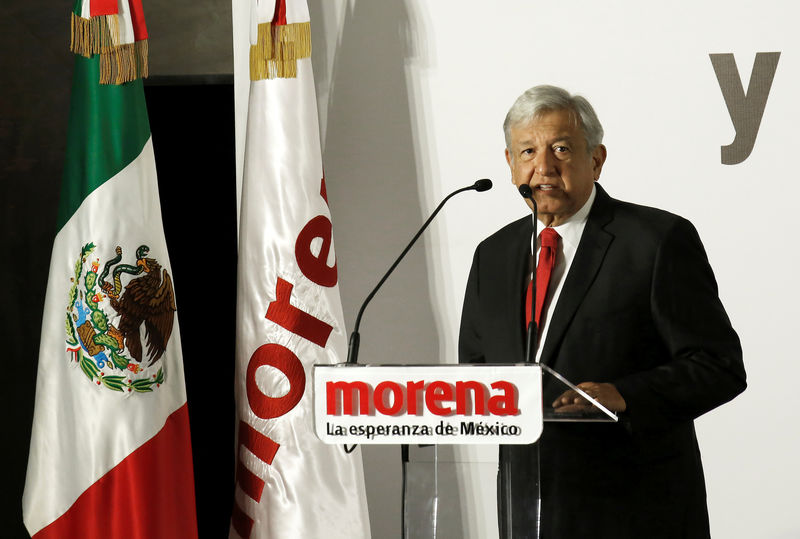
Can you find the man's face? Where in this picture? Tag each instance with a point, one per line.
(550, 156)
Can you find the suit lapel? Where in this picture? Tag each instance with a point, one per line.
(512, 288)
(588, 259)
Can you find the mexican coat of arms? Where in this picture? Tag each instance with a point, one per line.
(110, 313)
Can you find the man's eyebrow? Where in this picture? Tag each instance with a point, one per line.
(562, 138)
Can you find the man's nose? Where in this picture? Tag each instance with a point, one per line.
(545, 164)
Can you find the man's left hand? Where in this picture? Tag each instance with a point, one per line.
(605, 394)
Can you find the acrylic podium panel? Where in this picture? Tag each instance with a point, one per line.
(450, 492)
(454, 491)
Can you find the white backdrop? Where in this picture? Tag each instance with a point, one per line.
(412, 95)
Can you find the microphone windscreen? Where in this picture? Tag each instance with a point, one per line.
(483, 185)
(525, 191)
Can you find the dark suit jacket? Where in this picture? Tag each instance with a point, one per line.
(639, 308)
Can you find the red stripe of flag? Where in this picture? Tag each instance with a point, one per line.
(137, 17)
(279, 17)
(103, 7)
(149, 494)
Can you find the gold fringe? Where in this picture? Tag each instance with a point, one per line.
(93, 36)
(142, 55)
(118, 64)
(277, 50)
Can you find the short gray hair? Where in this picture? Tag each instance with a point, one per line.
(540, 99)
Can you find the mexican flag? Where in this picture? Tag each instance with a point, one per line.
(289, 314)
(110, 451)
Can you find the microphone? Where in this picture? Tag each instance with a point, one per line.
(533, 331)
(355, 338)
(482, 185)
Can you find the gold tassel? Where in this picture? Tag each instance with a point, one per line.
(124, 63)
(93, 36)
(277, 50)
(118, 64)
(80, 36)
(142, 62)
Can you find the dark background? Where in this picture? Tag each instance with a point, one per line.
(193, 143)
(196, 178)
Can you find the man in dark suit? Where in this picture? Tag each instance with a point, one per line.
(632, 314)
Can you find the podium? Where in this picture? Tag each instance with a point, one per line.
(446, 475)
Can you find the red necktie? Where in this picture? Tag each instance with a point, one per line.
(547, 261)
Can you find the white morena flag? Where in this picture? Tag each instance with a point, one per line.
(110, 453)
(289, 483)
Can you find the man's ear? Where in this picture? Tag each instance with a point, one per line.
(508, 158)
(598, 158)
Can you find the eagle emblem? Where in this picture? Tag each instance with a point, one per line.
(110, 313)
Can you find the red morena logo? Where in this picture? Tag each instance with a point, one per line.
(392, 398)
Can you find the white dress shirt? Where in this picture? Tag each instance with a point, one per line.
(570, 232)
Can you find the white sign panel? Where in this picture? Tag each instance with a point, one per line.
(432, 404)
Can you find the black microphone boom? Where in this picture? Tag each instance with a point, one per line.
(355, 339)
(533, 331)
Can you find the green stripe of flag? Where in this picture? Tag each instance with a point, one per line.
(108, 128)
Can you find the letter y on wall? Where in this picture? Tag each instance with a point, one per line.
(746, 110)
